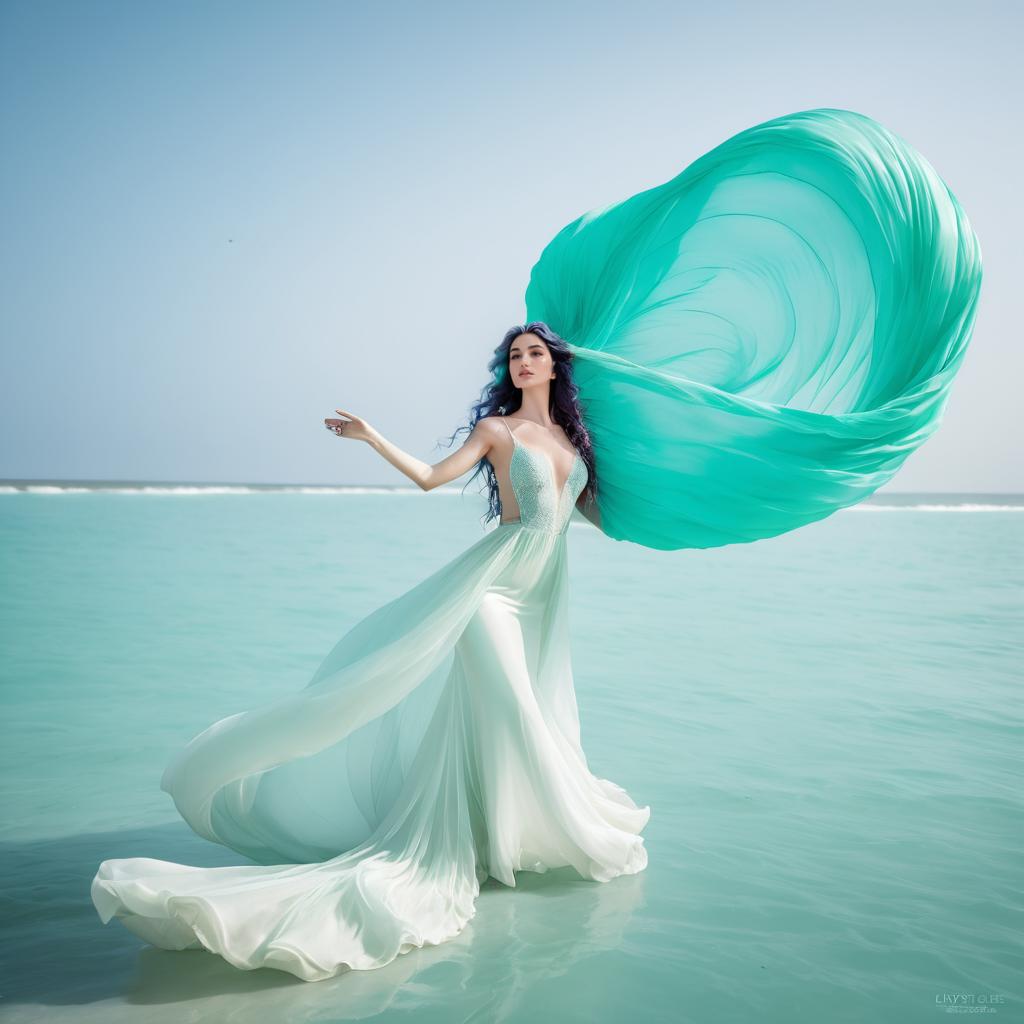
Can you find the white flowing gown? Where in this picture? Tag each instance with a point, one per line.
(437, 744)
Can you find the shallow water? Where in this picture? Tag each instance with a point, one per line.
(826, 726)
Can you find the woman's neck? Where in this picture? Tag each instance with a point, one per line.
(536, 411)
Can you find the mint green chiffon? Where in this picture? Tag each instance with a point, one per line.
(766, 337)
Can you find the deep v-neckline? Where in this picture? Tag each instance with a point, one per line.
(551, 462)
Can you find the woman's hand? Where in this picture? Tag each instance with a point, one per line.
(352, 427)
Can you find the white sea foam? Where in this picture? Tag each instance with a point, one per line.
(965, 507)
(201, 489)
(946, 502)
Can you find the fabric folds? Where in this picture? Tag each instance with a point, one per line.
(766, 337)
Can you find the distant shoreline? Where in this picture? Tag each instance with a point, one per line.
(204, 486)
(897, 500)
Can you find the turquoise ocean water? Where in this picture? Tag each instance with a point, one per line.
(827, 727)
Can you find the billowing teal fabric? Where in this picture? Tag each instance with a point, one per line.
(765, 338)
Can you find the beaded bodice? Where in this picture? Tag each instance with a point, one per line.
(541, 506)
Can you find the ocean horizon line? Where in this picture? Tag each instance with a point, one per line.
(937, 501)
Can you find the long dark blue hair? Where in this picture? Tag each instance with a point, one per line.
(502, 398)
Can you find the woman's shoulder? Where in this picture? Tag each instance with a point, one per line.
(496, 421)
(493, 427)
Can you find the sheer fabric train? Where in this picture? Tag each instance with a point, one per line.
(437, 744)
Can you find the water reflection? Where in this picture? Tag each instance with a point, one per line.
(519, 937)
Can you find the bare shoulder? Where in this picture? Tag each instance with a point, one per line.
(494, 434)
(491, 427)
(487, 430)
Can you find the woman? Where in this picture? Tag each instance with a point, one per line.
(497, 782)
(753, 345)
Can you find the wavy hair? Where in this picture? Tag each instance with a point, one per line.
(502, 398)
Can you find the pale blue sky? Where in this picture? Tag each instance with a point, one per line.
(223, 220)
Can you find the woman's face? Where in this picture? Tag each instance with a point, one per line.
(529, 362)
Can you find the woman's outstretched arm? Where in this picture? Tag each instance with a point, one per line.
(423, 474)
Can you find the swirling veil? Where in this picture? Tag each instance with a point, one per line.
(765, 338)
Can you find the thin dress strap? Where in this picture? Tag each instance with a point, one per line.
(509, 429)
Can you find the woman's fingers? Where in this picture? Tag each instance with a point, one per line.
(349, 421)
